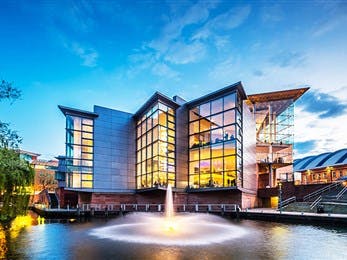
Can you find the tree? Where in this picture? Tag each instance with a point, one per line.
(7, 91)
(16, 175)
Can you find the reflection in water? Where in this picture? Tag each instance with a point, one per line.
(3, 246)
(263, 240)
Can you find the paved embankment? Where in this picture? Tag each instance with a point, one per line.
(294, 217)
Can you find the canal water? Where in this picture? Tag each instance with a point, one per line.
(72, 239)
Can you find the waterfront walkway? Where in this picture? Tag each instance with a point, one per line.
(269, 214)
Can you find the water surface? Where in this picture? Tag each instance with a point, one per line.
(263, 240)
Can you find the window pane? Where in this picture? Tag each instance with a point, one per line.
(149, 123)
(87, 128)
(162, 118)
(194, 155)
(155, 163)
(229, 148)
(86, 121)
(229, 133)
(229, 163)
(87, 135)
(205, 109)
(162, 133)
(229, 117)
(217, 106)
(217, 150)
(217, 121)
(205, 124)
(194, 127)
(217, 165)
(194, 114)
(171, 118)
(194, 181)
(194, 141)
(162, 107)
(162, 148)
(230, 179)
(205, 180)
(217, 179)
(229, 101)
(205, 152)
(155, 149)
(205, 138)
(155, 118)
(194, 167)
(205, 166)
(155, 133)
(149, 137)
(217, 135)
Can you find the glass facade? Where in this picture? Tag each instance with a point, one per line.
(155, 147)
(215, 143)
(79, 152)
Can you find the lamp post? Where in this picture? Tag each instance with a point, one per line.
(280, 195)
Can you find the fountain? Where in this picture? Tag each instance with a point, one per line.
(180, 229)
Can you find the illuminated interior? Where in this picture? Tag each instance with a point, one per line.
(155, 149)
(79, 152)
(215, 138)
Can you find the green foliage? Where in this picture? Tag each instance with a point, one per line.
(7, 91)
(16, 176)
(8, 138)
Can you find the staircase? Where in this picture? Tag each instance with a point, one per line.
(330, 199)
(299, 207)
(336, 186)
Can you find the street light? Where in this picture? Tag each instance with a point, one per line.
(280, 194)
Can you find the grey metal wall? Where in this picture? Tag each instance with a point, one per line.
(249, 149)
(182, 127)
(114, 151)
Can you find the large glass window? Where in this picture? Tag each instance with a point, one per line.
(79, 150)
(156, 155)
(214, 142)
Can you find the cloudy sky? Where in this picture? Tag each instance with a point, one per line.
(116, 54)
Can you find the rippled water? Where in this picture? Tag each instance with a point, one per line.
(263, 240)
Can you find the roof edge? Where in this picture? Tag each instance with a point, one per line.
(157, 96)
(77, 112)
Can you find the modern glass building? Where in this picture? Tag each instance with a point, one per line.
(215, 148)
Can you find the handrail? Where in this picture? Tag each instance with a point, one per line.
(320, 191)
(340, 194)
(159, 207)
(315, 202)
(287, 201)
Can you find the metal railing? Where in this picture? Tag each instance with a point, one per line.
(315, 203)
(316, 193)
(287, 202)
(340, 194)
(160, 207)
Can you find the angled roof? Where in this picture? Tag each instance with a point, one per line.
(218, 93)
(157, 96)
(77, 112)
(321, 161)
(277, 95)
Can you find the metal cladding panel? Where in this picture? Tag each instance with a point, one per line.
(114, 149)
(249, 150)
(182, 147)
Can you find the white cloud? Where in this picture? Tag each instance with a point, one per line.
(162, 70)
(172, 31)
(329, 133)
(88, 55)
(181, 53)
(225, 21)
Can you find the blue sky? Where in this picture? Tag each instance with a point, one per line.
(117, 53)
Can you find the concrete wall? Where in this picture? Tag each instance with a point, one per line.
(249, 150)
(114, 151)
